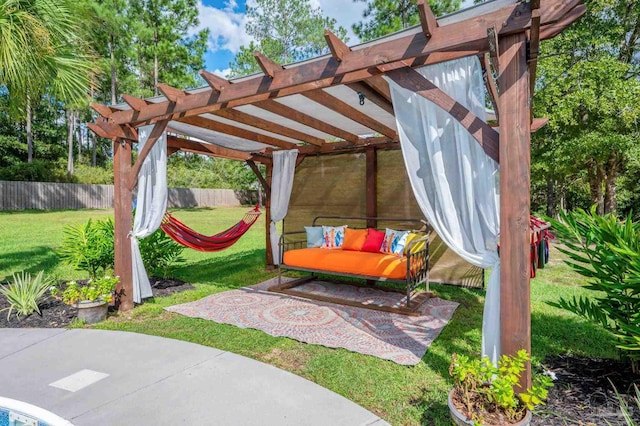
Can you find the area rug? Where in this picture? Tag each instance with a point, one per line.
(399, 338)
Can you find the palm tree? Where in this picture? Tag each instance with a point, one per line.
(42, 50)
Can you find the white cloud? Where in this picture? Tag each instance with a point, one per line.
(222, 73)
(227, 27)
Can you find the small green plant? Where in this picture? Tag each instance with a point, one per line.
(160, 254)
(487, 392)
(99, 289)
(607, 252)
(625, 410)
(89, 247)
(25, 293)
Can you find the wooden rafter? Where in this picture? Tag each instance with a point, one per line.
(156, 133)
(380, 85)
(307, 120)
(481, 131)
(427, 18)
(454, 40)
(104, 110)
(268, 66)
(135, 103)
(338, 48)
(216, 83)
(171, 93)
(112, 131)
(251, 120)
(552, 30)
(372, 95)
(206, 149)
(335, 104)
(228, 129)
(348, 146)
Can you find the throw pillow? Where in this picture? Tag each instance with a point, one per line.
(314, 236)
(333, 236)
(354, 239)
(416, 247)
(374, 241)
(394, 242)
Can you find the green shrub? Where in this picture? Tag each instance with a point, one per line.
(160, 254)
(607, 252)
(98, 289)
(89, 247)
(25, 293)
(487, 390)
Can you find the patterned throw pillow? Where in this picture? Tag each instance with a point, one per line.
(416, 247)
(333, 236)
(314, 236)
(394, 242)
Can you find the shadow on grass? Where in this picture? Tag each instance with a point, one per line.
(232, 271)
(33, 260)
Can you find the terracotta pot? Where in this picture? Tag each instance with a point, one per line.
(461, 420)
(92, 312)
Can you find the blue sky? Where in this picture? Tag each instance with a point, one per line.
(226, 21)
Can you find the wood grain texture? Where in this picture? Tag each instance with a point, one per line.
(123, 221)
(515, 138)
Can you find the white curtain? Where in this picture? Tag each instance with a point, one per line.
(151, 204)
(284, 167)
(454, 181)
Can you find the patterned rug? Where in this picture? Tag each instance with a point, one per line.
(400, 338)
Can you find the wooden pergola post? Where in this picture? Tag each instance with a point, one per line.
(515, 138)
(122, 204)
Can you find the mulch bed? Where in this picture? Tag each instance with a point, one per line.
(55, 314)
(583, 393)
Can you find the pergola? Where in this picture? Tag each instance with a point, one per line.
(316, 106)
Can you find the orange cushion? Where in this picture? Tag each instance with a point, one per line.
(354, 239)
(348, 262)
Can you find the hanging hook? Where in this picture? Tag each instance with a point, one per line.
(361, 97)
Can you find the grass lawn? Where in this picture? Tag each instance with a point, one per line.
(399, 394)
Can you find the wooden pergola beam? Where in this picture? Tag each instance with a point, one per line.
(427, 18)
(335, 104)
(338, 48)
(135, 103)
(293, 114)
(108, 130)
(263, 181)
(228, 129)
(103, 110)
(455, 40)
(268, 66)
(372, 95)
(216, 83)
(379, 142)
(269, 126)
(380, 85)
(412, 80)
(171, 93)
(206, 149)
(156, 133)
(552, 30)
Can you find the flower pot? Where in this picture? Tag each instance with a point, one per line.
(92, 312)
(461, 420)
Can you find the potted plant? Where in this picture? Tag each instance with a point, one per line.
(91, 299)
(483, 394)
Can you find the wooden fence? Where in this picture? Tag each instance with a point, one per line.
(51, 196)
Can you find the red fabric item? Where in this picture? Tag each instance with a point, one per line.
(182, 234)
(374, 241)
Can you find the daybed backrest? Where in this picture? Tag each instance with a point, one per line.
(356, 222)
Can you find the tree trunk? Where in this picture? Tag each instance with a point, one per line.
(70, 131)
(114, 95)
(596, 178)
(610, 199)
(78, 130)
(552, 197)
(155, 63)
(29, 132)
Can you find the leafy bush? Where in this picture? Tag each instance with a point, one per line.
(487, 391)
(607, 252)
(160, 253)
(25, 293)
(89, 247)
(99, 289)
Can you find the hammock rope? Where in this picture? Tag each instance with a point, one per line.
(182, 234)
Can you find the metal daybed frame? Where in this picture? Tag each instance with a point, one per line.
(416, 275)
